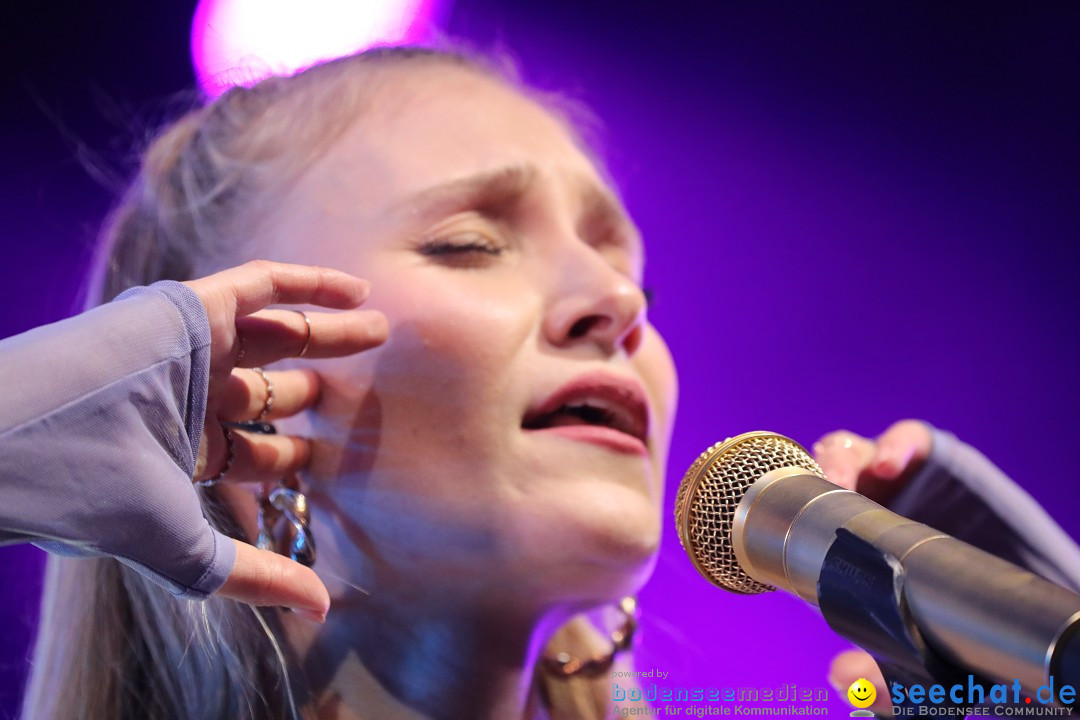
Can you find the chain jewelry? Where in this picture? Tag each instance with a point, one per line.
(230, 455)
(265, 519)
(294, 505)
(565, 666)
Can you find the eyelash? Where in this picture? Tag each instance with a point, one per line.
(442, 248)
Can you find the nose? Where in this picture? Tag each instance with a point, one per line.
(595, 304)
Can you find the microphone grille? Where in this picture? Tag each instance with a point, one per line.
(710, 492)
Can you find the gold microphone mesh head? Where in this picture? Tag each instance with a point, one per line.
(710, 492)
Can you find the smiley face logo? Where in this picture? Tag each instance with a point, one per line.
(862, 693)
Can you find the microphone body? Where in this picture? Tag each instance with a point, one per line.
(983, 613)
(756, 511)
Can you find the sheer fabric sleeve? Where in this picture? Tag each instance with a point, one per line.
(101, 416)
(960, 492)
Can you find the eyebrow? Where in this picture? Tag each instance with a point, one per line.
(496, 190)
(489, 190)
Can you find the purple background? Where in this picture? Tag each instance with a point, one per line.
(856, 212)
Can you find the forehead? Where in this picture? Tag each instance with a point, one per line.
(431, 124)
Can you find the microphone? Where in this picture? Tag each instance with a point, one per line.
(755, 513)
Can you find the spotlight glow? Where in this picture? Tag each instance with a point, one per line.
(239, 42)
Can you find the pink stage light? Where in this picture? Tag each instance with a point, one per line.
(239, 42)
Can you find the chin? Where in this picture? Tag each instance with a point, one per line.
(598, 542)
(627, 536)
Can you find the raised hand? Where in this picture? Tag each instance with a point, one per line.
(245, 335)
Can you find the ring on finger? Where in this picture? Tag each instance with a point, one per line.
(230, 455)
(307, 338)
(254, 426)
(268, 404)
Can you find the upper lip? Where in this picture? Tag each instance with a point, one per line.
(619, 401)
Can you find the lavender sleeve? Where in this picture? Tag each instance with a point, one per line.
(960, 492)
(101, 417)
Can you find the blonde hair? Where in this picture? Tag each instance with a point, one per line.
(111, 644)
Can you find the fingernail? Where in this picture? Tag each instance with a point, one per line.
(365, 290)
(319, 617)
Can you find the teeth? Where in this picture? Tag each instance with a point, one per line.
(596, 404)
(599, 412)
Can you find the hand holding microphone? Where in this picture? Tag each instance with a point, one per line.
(756, 512)
(878, 469)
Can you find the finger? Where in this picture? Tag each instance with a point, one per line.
(271, 335)
(247, 394)
(903, 445)
(259, 283)
(892, 458)
(842, 455)
(265, 458)
(260, 577)
(849, 666)
(255, 457)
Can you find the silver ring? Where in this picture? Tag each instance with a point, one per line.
(307, 338)
(268, 404)
(230, 455)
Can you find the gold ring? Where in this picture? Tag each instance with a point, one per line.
(307, 338)
(268, 404)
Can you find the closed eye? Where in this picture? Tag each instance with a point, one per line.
(468, 250)
(447, 247)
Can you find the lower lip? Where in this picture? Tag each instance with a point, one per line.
(598, 435)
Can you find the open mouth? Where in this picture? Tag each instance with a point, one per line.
(599, 401)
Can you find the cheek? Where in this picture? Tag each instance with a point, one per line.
(656, 367)
(446, 374)
(423, 426)
(450, 330)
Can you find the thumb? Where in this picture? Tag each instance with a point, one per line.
(261, 577)
(851, 665)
